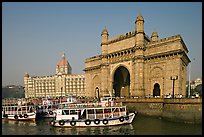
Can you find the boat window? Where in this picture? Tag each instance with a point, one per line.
(65, 112)
(116, 109)
(17, 108)
(23, 108)
(99, 111)
(72, 112)
(107, 110)
(91, 111)
(122, 109)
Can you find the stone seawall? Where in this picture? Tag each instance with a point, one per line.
(178, 110)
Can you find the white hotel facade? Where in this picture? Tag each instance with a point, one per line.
(61, 84)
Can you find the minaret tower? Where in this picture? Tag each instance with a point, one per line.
(138, 88)
(104, 43)
(154, 36)
(104, 66)
(139, 31)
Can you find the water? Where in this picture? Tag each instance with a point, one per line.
(141, 125)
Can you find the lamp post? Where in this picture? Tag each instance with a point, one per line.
(173, 78)
(61, 96)
(122, 90)
(189, 81)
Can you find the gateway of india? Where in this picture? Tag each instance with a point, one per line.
(133, 64)
(130, 64)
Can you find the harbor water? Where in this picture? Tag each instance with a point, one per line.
(141, 125)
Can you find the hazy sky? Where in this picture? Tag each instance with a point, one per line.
(36, 34)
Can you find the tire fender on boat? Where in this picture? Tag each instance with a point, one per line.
(61, 122)
(50, 112)
(52, 122)
(16, 117)
(88, 122)
(96, 121)
(45, 113)
(21, 116)
(25, 115)
(121, 119)
(73, 123)
(5, 115)
(127, 118)
(105, 121)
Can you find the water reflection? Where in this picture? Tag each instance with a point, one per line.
(111, 130)
(141, 125)
(19, 123)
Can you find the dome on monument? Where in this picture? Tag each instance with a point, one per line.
(105, 31)
(154, 34)
(139, 17)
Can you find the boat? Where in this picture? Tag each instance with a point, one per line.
(92, 114)
(18, 110)
(47, 107)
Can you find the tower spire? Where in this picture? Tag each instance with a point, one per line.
(63, 55)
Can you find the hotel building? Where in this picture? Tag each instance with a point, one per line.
(61, 84)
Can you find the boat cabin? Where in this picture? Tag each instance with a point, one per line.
(90, 113)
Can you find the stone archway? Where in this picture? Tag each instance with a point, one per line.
(121, 82)
(156, 90)
(96, 86)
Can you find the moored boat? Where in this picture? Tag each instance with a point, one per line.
(16, 110)
(96, 114)
(18, 113)
(47, 108)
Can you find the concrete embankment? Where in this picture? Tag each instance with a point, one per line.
(178, 110)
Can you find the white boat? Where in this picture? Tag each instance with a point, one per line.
(46, 111)
(95, 114)
(48, 107)
(19, 112)
(12, 109)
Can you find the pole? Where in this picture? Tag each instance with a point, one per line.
(189, 79)
(173, 88)
(173, 78)
(61, 96)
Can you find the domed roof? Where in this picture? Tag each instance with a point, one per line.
(139, 17)
(26, 75)
(63, 61)
(154, 34)
(105, 31)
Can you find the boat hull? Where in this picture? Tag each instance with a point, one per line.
(94, 123)
(29, 116)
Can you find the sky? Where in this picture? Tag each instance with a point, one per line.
(35, 34)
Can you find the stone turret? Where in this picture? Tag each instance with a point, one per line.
(104, 43)
(154, 36)
(139, 37)
(139, 55)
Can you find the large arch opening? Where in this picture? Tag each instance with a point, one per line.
(121, 82)
(156, 90)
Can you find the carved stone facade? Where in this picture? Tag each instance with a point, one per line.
(133, 64)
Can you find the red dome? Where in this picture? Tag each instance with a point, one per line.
(62, 62)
